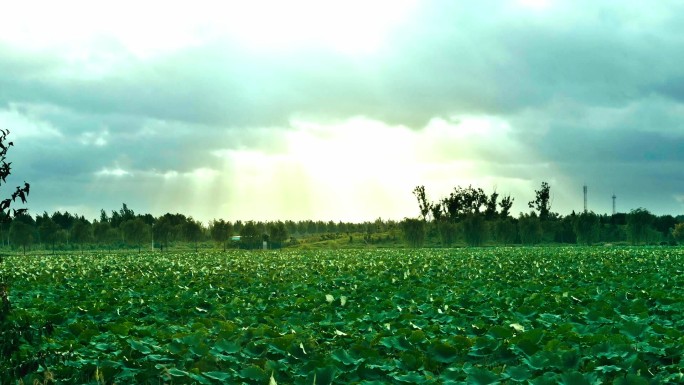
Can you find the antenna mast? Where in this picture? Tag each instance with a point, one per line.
(614, 203)
(585, 198)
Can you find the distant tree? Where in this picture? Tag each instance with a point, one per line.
(121, 216)
(48, 232)
(678, 233)
(277, 234)
(664, 224)
(220, 231)
(341, 228)
(249, 236)
(64, 221)
(423, 205)
(437, 213)
(505, 231)
(113, 237)
(587, 227)
(102, 231)
(103, 216)
(136, 232)
(21, 233)
(474, 229)
(193, 232)
(63, 236)
(505, 205)
(370, 230)
(291, 226)
(639, 223)
(529, 228)
(414, 231)
(237, 227)
(165, 228)
(490, 207)
(148, 219)
(81, 232)
(565, 229)
(541, 202)
(448, 231)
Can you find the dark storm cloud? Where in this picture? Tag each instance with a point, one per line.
(571, 144)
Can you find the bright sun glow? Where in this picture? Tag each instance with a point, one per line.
(536, 4)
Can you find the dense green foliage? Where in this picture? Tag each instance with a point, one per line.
(414, 232)
(510, 315)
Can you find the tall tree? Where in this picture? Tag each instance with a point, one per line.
(121, 216)
(587, 227)
(101, 231)
(474, 229)
(136, 232)
(505, 231)
(82, 232)
(414, 232)
(277, 234)
(542, 201)
(437, 212)
(639, 223)
(664, 224)
(423, 203)
(529, 228)
(490, 208)
(220, 231)
(48, 232)
(249, 236)
(192, 231)
(22, 233)
(64, 221)
(162, 231)
(447, 231)
(505, 205)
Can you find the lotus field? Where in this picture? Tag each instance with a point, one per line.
(477, 316)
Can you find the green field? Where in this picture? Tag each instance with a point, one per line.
(481, 316)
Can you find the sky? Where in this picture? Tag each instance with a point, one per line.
(336, 110)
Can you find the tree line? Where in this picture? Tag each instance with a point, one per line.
(124, 228)
(471, 216)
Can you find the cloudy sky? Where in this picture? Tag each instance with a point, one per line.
(308, 109)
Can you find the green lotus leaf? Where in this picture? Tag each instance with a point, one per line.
(518, 373)
(574, 378)
(254, 373)
(322, 376)
(142, 348)
(228, 347)
(220, 376)
(344, 357)
(410, 378)
(631, 379)
(479, 376)
(177, 372)
(442, 352)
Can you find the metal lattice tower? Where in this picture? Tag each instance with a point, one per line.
(585, 198)
(614, 204)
